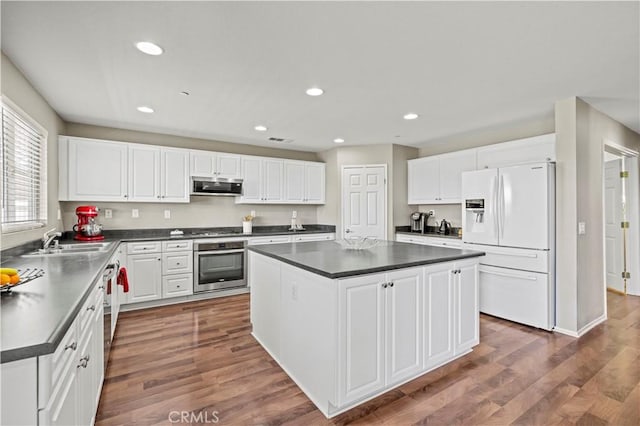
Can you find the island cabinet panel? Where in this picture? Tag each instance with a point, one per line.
(265, 301)
(438, 314)
(361, 330)
(468, 320)
(404, 328)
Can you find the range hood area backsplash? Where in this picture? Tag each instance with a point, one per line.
(200, 212)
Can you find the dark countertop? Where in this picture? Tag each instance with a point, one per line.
(34, 317)
(329, 259)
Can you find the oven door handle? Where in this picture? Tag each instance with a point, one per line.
(199, 253)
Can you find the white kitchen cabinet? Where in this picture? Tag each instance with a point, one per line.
(304, 182)
(177, 262)
(467, 331)
(273, 239)
(92, 170)
(537, 149)
(262, 181)
(144, 173)
(145, 277)
(177, 285)
(438, 314)
(174, 172)
(313, 237)
(380, 331)
(438, 179)
(214, 164)
(63, 407)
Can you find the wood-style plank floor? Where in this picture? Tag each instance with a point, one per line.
(200, 358)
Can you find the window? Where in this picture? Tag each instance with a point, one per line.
(24, 175)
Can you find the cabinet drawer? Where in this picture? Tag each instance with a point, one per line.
(513, 258)
(442, 242)
(313, 237)
(182, 245)
(277, 239)
(64, 354)
(177, 263)
(177, 285)
(146, 247)
(89, 308)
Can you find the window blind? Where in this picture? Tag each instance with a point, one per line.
(24, 202)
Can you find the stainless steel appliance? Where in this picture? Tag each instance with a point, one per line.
(108, 285)
(445, 227)
(417, 222)
(215, 186)
(219, 265)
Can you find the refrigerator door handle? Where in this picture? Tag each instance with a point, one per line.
(503, 274)
(502, 206)
(496, 197)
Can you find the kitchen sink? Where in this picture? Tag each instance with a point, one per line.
(70, 249)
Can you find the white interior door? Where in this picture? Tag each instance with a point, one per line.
(364, 212)
(613, 216)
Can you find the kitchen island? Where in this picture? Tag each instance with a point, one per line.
(349, 325)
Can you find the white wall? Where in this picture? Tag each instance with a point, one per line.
(16, 87)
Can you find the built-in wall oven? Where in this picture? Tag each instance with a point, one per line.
(219, 265)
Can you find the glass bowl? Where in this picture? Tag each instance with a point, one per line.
(358, 243)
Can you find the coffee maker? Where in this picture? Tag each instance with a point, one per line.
(417, 222)
(87, 229)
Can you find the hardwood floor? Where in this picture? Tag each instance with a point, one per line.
(199, 358)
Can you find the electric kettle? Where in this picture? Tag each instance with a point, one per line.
(445, 227)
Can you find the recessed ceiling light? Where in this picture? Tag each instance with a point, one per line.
(338, 140)
(410, 116)
(149, 48)
(145, 109)
(314, 91)
(261, 128)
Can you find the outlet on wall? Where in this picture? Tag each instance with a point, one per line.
(167, 214)
(108, 213)
(294, 214)
(135, 213)
(253, 213)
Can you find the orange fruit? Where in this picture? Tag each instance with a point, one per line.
(5, 279)
(15, 279)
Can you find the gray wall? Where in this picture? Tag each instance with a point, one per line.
(16, 87)
(581, 132)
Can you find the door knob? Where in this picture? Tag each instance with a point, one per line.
(347, 231)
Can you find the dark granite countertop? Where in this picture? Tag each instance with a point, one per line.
(331, 260)
(35, 317)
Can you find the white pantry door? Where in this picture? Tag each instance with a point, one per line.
(364, 201)
(614, 243)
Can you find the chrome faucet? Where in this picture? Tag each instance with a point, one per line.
(48, 237)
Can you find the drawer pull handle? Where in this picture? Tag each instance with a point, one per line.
(72, 346)
(84, 361)
(91, 308)
(178, 263)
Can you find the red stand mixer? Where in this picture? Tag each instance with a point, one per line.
(87, 229)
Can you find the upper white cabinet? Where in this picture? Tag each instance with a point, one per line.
(262, 180)
(215, 164)
(537, 149)
(438, 179)
(92, 170)
(304, 182)
(174, 172)
(98, 170)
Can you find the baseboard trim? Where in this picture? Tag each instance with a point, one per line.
(584, 330)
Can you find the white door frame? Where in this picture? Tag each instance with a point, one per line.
(342, 192)
(632, 193)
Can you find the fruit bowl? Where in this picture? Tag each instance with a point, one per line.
(24, 276)
(358, 243)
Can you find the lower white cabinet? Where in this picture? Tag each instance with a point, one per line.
(70, 379)
(145, 277)
(177, 285)
(380, 331)
(429, 240)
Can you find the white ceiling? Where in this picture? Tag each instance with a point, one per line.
(461, 66)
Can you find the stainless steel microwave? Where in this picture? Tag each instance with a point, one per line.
(215, 186)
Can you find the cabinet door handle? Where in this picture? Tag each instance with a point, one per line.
(391, 284)
(72, 346)
(158, 196)
(384, 285)
(126, 196)
(91, 308)
(177, 263)
(159, 259)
